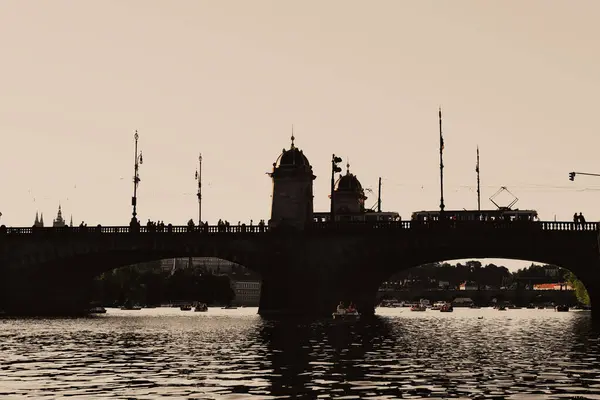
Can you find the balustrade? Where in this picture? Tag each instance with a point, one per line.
(321, 226)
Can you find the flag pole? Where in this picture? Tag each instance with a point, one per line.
(478, 187)
(199, 194)
(441, 164)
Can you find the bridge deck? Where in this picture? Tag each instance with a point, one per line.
(326, 226)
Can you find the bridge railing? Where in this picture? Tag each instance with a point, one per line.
(324, 226)
(142, 229)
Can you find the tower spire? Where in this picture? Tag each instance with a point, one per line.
(348, 166)
(37, 218)
(293, 137)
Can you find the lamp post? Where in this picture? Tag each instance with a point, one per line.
(199, 194)
(334, 168)
(138, 160)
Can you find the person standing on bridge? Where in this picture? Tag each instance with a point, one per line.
(581, 218)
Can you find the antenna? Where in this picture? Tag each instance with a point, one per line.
(478, 187)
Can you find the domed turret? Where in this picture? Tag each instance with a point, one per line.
(349, 195)
(348, 183)
(292, 189)
(292, 158)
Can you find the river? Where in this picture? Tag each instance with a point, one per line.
(235, 354)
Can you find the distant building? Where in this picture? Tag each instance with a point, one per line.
(39, 221)
(247, 293)
(468, 286)
(58, 222)
(213, 265)
(552, 286)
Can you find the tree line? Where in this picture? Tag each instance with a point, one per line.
(150, 284)
(437, 275)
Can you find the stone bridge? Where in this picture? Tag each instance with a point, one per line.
(49, 270)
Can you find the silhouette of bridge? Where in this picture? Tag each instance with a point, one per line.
(304, 271)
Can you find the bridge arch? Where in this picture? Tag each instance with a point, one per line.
(49, 272)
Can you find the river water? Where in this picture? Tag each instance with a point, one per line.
(235, 354)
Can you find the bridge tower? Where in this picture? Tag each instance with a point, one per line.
(292, 189)
(349, 194)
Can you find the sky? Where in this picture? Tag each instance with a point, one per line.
(363, 80)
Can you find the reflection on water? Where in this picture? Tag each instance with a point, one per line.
(234, 354)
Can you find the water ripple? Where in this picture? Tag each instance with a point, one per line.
(234, 354)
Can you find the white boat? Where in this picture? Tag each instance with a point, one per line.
(347, 315)
(418, 307)
(97, 310)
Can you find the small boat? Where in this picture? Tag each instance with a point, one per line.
(418, 307)
(186, 307)
(229, 308)
(562, 308)
(501, 308)
(438, 305)
(447, 308)
(130, 306)
(201, 307)
(97, 310)
(345, 315)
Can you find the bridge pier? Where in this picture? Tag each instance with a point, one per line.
(299, 284)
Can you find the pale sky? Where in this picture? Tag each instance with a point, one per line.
(363, 80)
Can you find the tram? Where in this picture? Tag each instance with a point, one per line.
(477, 215)
(368, 216)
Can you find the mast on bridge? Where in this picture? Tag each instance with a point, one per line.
(136, 178)
(478, 188)
(199, 194)
(441, 164)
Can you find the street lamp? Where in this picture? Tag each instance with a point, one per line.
(334, 168)
(572, 175)
(199, 194)
(138, 160)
